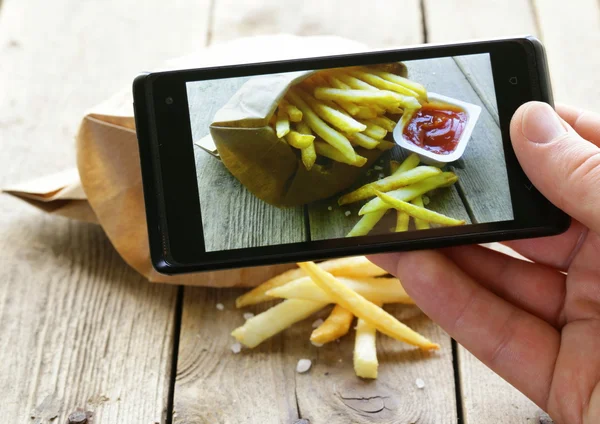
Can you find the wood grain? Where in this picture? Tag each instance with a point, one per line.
(357, 20)
(571, 51)
(79, 329)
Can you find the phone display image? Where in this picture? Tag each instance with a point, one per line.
(348, 152)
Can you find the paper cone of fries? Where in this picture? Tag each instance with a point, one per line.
(272, 167)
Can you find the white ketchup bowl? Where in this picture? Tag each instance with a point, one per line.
(472, 111)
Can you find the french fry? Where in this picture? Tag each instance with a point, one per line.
(412, 85)
(366, 223)
(354, 82)
(365, 350)
(357, 84)
(362, 308)
(365, 141)
(410, 192)
(394, 165)
(419, 223)
(392, 182)
(365, 112)
(374, 131)
(274, 320)
(333, 116)
(335, 326)
(379, 97)
(323, 130)
(282, 125)
(349, 107)
(382, 84)
(419, 212)
(384, 122)
(308, 154)
(292, 111)
(402, 219)
(352, 266)
(385, 145)
(376, 290)
(299, 140)
(331, 152)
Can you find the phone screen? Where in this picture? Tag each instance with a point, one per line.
(392, 149)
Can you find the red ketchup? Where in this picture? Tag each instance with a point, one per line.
(436, 127)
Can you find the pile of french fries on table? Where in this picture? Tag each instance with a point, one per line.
(358, 106)
(356, 287)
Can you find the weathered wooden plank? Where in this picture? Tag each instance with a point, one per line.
(478, 71)
(466, 19)
(232, 217)
(78, 328)
(483, 180)
(331, 392)
(571, 51)
(356, 20)
(216, 386)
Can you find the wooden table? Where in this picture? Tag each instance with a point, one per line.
(79, 329)
(481, 195)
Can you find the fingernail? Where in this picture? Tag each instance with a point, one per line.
(540, 123)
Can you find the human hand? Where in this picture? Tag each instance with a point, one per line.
(534, 325)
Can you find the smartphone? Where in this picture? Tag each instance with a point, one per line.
(343, 155)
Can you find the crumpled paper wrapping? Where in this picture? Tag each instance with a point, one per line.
(106, 186)
(265, 165)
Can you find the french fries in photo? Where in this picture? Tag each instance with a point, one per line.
(382, 84)
(292, 111)
(298, 140)
(378, 97)
(385, 145)
(274, 320)
(362, 140)
(410, 192)
(335, 326)
(384, 122)
(376, 290)
(366, 223)
(328, 134)
(365, 350)
(392, 182)
(366, 112)
(352, 267)
(282, 125)
(418, 212)
(402, 220)
(354, 82)
(412, 85)
(333, 116)
(331, 152)
(374, 131)
(309, 156)
(362, 308)
(419, 223)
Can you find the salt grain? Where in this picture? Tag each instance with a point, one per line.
(317, 323)
(248, 315)
(426, 200)
(381, 176)
(220, 306)
(329, 208)
(303, 365)
(378, 168)
(420, 383)
(236, 348)
(347, 213)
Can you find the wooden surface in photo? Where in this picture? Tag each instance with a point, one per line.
(80, 330)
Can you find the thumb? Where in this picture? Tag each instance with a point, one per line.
(559, 162)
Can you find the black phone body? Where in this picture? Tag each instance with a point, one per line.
(232, 228)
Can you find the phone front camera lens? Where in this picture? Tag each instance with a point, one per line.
(169, 100)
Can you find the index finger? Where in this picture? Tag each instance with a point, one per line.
(585, 122)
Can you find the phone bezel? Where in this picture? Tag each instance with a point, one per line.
(169, 170)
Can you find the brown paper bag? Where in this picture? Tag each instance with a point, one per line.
(265, 165)
(109, 171)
